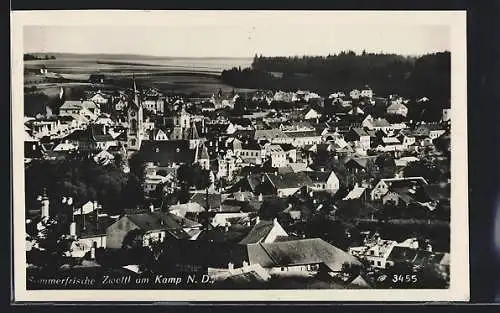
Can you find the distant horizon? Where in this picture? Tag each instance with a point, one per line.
(226, 57)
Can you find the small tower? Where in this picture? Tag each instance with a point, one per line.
(45, 204)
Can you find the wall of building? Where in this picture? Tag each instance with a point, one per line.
(117, 231)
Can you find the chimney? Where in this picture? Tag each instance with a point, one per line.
(257, 220)
(152, 208)
(275, 221)
(230, 266)
(92, 253)
(260, 198)
(322, 169)
(226, 227)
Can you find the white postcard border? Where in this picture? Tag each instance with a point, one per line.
(459, 250)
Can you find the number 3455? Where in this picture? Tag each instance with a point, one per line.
(404, 278)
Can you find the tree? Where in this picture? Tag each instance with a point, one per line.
(271, 208)
(425, 168)
(53, 246)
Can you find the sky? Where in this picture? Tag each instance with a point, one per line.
(243, 39)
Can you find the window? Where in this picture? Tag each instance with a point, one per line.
(132, 113)
(132, 142)
(379, 263)
(372, 262)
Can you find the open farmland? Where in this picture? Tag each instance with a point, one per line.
(181, 75)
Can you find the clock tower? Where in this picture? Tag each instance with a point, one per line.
(135, 131)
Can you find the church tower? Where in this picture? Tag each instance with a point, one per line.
(135, 129)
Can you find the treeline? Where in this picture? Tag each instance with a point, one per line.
(412, 77)
(32, 57)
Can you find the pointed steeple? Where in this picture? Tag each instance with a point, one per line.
(136, 93)
(194, 132)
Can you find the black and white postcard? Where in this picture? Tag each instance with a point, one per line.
(239, 156)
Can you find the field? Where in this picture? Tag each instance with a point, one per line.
(181, 75)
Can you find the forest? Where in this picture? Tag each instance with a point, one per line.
(412, 77)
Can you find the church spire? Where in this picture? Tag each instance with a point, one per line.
(136, 93)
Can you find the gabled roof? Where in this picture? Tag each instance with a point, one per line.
(396, 106)
(355, 193)
(75, 105)
(299, 252)
(380, 122)
(166, 152)
(289, 180)
(214, 199)
(258, 233)
(299, 134)
(190, 207)
(362, 161)
(318, 176)
(360, 131)
(154, 221)
(269, 133)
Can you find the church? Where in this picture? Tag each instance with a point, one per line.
(135, 131)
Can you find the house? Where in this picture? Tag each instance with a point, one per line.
(418, 257)
(357, 194)
(207, 200)
(186, 209)
(303, 138)
(323, 180)
(89, 232)
(397, 108)
(290, 152)
(360, 136)
(65, 146)
(390, 144)
(406, 140)
(159, 134)
(167, 153)
(207, 107)
(404, 161)
(264, 231)
(355, 94)
(152, 181)
(277, 156)
(154, 103)
(229, 219)
(375, 250)
(103, 158)
(148, 228)
(284, 185)
(312, 114)
(383, 186)
(359, 164)
(272, 135)
(86, 108)
(93, 138)
(299, 256)
(376, 124)
(100, 98)
(250, 150)
(366, 92)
